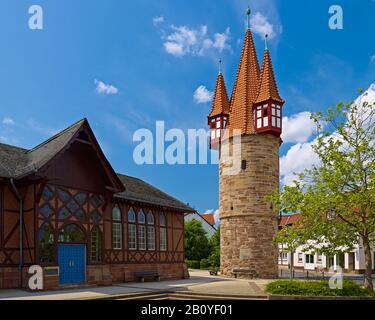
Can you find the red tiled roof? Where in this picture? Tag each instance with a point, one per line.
(267, 87)
(209, 217)
(220, 103)
(289, 219)
(245, 89)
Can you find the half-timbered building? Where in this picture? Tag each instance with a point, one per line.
(63, 207)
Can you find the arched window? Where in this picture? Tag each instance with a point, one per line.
(96, 245)
(72, 233)
(150, 231)
(141, 217)
(116, 229)
(141, 231)
(131, 215)
(150, 218)
(162, 221)
(46, 244)
(116, 214)
(163, 232)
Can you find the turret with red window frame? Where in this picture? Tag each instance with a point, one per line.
(218, 117)
(267, 108)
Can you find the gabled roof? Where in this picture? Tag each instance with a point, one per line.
(209, 217)
(245, 89)
(288, 220)
(220, 103)
(18, 163)
(140, 191)
(267, 86)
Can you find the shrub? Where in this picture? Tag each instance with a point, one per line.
(193, 264)
(205, 264)
(315, 288)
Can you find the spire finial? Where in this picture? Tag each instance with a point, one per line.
(265, 41)
(248, 12)
(220, 66)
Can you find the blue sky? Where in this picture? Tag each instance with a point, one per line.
(144, 49)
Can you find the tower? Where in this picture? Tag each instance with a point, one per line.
(248, 221)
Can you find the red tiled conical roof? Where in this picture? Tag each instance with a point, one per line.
(245, 90)
(220, 103)
(267, 86)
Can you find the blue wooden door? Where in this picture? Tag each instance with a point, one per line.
(72, 263)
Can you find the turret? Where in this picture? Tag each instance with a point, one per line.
(218, 117)
(267, 108)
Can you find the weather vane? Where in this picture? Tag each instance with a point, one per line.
(265, 40)
(248, 12)
(220, 66)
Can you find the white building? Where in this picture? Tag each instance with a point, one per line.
(353, 261)
(207, 220)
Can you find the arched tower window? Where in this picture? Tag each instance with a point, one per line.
(46, 244)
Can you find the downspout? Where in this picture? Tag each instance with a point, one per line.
(21, 230)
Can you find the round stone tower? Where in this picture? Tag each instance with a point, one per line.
(246, 130)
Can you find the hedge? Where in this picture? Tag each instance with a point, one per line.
(193, 264)
(315, 288)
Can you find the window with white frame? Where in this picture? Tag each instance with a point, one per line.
(163, 239)
(150, 231)
(163, 232)
(276, 116)
(150, 238)
(320, 258)
(132, 237)
(300, 257)
(141, 231)
(141, 237)
(116, 229)
(284, 256)
(309, 258)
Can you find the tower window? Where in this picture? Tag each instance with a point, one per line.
(243, 165)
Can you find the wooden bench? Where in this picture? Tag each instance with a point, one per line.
(141, 275)
(248, 273)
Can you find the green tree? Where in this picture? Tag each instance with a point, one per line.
(214, 243)
(196, 241)
(337, 196)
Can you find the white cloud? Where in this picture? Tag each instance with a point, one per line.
(298, 128)
(8, 121)
(103, 88)
(301, 155)
(157, 20)
(202, 95)
(197, 42)
(260, 25)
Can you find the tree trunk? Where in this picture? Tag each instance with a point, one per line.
(368, 265)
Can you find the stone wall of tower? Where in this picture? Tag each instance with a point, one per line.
(248, 222)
